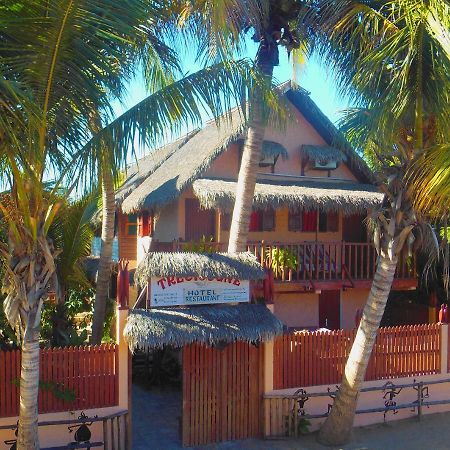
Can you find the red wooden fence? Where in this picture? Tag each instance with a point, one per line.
(222, 392)
(90, 372)
(316, 358)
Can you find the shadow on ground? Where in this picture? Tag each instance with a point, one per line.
(156, 423)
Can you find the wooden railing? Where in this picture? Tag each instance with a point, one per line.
(314, 261)
(327, 261)
(71, 378)
(316, 358)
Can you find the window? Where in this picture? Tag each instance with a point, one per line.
(262, 220)
(328, 222)
(295, 221)
(131, 225)
(309, 220)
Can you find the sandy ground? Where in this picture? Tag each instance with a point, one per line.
(156, 426)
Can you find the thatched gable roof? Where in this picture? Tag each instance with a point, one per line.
(204, 324)
(349, 198)
(322, 153)
(188, 264)
(184, 165)
(166, 173)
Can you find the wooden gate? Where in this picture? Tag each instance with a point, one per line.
(222, 393)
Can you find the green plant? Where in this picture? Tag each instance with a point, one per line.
(303, 424)
(279, 259)
(204, 245)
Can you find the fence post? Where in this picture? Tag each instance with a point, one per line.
(444, 348)
(267, 382)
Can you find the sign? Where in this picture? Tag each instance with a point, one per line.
(173, 291)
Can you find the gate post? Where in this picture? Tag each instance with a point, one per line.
(444, 348)
(123, 363)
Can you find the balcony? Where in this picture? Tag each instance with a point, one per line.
(316, 265)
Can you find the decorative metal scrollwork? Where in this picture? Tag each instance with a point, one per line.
(83, 433)
(300, 398)
(390, 392)
(332, 395)
(422, 394)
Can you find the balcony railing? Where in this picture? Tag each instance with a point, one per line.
(310, 261)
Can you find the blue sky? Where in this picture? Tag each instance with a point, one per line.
(313, 77)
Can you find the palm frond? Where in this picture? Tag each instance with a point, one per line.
(213, 91)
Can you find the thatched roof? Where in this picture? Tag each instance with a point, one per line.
(349, 198)
(166, 173)
(183, 166)
(188, 264)
(204, 324)
(144, 167)
(270, 148)
(322, 153)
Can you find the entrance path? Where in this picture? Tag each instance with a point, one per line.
(156, 427)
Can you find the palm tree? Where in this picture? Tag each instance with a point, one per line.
(67, 58)
(387, 56)
(271, 30)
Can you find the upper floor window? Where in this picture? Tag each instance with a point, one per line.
(262, 220)
(131, 225)
(312, 221)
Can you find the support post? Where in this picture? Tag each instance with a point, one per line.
(124, 354)
(444, 348)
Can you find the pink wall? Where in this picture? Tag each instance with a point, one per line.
(292, 138)
(297, 310)
(351, 300)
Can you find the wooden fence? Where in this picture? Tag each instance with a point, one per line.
(222, 393)
(316, 358)
(88, 373)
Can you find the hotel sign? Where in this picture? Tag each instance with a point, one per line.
(173, 291)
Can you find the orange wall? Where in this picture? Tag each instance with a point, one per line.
(282, 234)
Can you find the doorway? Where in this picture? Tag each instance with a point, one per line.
(198, 222)
(330, 309)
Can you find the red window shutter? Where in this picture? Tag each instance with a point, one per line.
(144, 224)
(309, 220)
(254, 221)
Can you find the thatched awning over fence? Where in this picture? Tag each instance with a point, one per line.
(350, 198)
(146, 329)
(162, 264)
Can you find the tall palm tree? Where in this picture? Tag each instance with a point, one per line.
(66, 59)
(272, 28)
(388, 58)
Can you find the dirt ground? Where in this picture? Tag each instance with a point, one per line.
(156, 426)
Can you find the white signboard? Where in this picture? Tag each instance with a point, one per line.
(172, 291)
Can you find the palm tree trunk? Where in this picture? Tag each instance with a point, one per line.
(27, 437)
(104, 266)
(338, 426)
(251, 156)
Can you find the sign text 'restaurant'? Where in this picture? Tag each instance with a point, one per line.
(171, 291)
